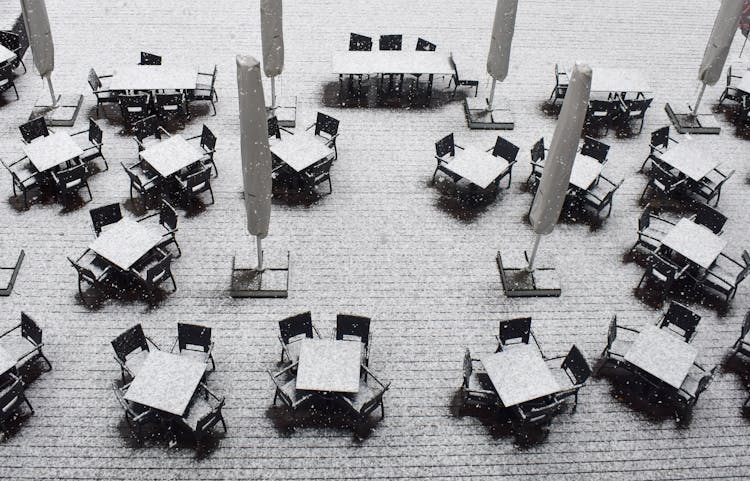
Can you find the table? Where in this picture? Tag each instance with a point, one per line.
(744, 83)
(519, 374)
(166, 382)
(124, 242)
(585, 171)
(48, 152)
(477, 166)
(171, 155)
(153, 77)
(6, 55)
(690, 159)
(663, 355)
(694, 242)
(606, 80)
(391, 62)
(301, 151)
(329, 366)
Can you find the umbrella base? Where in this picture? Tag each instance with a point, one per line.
(689, 123)
(542, 282)
(286, 111)
(271, 282)
(8, 275)
(478, 117)
(63, 115)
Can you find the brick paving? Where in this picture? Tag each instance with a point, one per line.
(386, 244)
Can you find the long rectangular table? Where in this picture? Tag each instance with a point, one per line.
(519, 374)
(125, 242)
(391, 62)
(153, 77)
(663, 355)
(694, 242)
(477, 166)
(607, 79)
(52, 150)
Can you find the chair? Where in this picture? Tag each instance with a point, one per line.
(561, 85)
(168, 220)
(659, 143)
(11, 400)
(537, 165)
(95, 137)
(515, 331)
(28, 346)
(710, 218)
(595, 149)
(742, 344)
(359, 43)
(368, 398)
(317, 174)
(575, 372)
(697, 381)
(131, 349)
(34, 129)
(147, 132)
(477, 388)
(203, 413)
(663, 182)
(193, 184)
(355, 328)
(730, 92)
(104, 216)
(649, 234)
(726, 274)
(445, 148)
(24, 179)
(634, 110)
(149, 59)
(390, 42)
(141, 181)
(599, 196)
(91, 269)
(662, 271)
(425, 46)
(134, 107)
(535, 413)
(458, 81)
(204, 92)
(154, 269)
(679, 320)
(208, 143)
(71, 180)
(135, 414)
(709, 187)
(6, 80)
(292, 330)
(614, 352)
(12, 41)
(103, 94)
(170, 106)
(507, 151)
(327, 130)
(600, 113)
(194, 342)
(285, 382)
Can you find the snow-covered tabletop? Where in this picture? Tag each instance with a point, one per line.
(166, 382)
(585, 171)
(48, 152)
(744, 83)
(662, 354)
(171, 155)
(6, 55)
(300, 151)
(477, 166)
(391, 61)
(694, 242)
(153, 77)
(607, 79)
(328, 365)
(690, 158)
(7, 362)
(124, 242)
(519, 374)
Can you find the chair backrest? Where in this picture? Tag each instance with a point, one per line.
(208, 139)
(134, 179)
(595, 149)
(351, 325)
(167, 215)
(663, 270)
(133, 103)
(326, 124)
(709, 217)
(193, 335)
(560, 75)
(745, 270)
(320, 171)
(146, 127)
(359, 42)
(10, 399)
(30, 330)
(576, 366)
(601, 106)
(72, 174)
(33, 129)
(537, 151)
(273, 127)
(150, 59)
(375, 400)
(660, 137)
(515, 331)
(452, 63)
(160, 271)
(199, 181)
(425, 46)
(130, 341)
(681, 320)
(637, 108)
(745, 325)
(10, 40)
(105, 215)
(612, 331)
(94, 82)
(209, 420)
(506, 150)
(390, 42)
(297, 325)
(167, 102)
(662, 178)
(445, 146)
(96, 136)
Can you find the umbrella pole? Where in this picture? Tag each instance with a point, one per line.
(743, 46)
(273, 93)
(51, 90)
(530, 267)
(491, 100)
(698, 102)
(260, 253)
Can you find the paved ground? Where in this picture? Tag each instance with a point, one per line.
(386, 244)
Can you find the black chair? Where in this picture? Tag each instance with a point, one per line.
(92, 270)
(142, 181)
(742, 344)
(458, 81)
(445, 148)
(285, 382)
(537, 165)
(355, 328)
(537, 413)
(131, 349)
(69, 181)
(24, 179)
(561, 85)
(575, 372)
(359, 43)
(600, 113)
(167, 220)
(327, 130)
(477, 388)
(104, 216)
(147, 132)
(663, 182)
(726, 274)
(103, 94)
(34, 129)
(194, 342)
(205, 90)
(508, 151)
(709, 187)
(195, 183)
(425, 46)
(149, 59)
(633, 110)
(390, 42)
(680, 320)
(659, 143)
(169, 107)
(135, 414)
(208, 143)
(27, 347)
(697, 381)
(368, 398)
(291, 331)
(651, 230)
(595, 149)
(613, 354)
(662, 271)
(134, 107)
(730, 91)
(600, 195)
(6, 80)
(152, 270)
(12, 399)
(203, 413)
(710, 218)
(317, 174)
(515, 331)
(12, 41)
(95, 137)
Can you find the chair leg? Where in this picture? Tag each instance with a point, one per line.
(28, 403)
(213, 364)
(214, 107)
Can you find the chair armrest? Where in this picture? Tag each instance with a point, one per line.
(163, 131)
(105, 76)
(210, 350)
(147, 217)
(531, 333)
(152, 342)
(662, 219)
(311, 126)
(315, 330)
(17, 326)
(122, 365)
(458, 146)
(138, 141)
(175, 340)
(372, 375)
(193, 137)
(629, 329)
(288, 131)
(142, 415)
(202, 73)
(81, 132)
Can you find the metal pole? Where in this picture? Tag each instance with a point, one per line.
(260, 253)
(743, 46)
(698, 102)
(51, 90)
(273, 93)
(530, 267)
(491, 100)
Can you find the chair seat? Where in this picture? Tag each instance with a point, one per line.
(479, 382)
(619, 347)
(135, 361)
(198, 409)
(293, 349)
(17, 346)
(653, 232)
(358, 400)
(290, 389)
(724, 270)
(689, 387)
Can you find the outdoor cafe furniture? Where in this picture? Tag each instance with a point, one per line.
(143, 180)
(12, 50)
(601, 113)
(515, 331)
(680, 321)
(24, 178)
(124, 243)
(709, 217)
(93, 270)
(21, 345)
(169, 107)
(207, 143)
(619, 340)
(291, 331)
(204, 412)
(134, 107)
(651, 230)
(148, 132)
(102, 92)
(572, 373)
(172, 159)
(34, 129)
(51, 151)
(204, 90)
(104, 216)
(561, 85)
(167, 218)
(153, 269)
(149, 59)
(600, 195)
(95, 138)
(12, 398)
(456, 80)
(294, 155)
(619, 82)
(70, 180)
(135, 414)
(326, 131)
(659, 144)
(368, 397)
(285, 382)
(726, 274)
(694, 242)
(742, 344)
(354, 328)
(734, 90)
(191, 184)
(6, 80)
(131, 349)
(537, 165)
(194, 342)
(477, 389)
(696, 381)
(663, 271)
(630, 110)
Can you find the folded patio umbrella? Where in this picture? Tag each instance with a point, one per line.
(256, 156)
(498, 58)
(745, 24)
(272, 36)
(39, 34)
(553, 187)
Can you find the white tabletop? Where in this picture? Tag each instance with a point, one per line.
(171, 155)
(153, 77)
(7, 362)
(477, 166)
(391, 61)
(328, 365)
(585, 171)
(124, 242)
(166, 382)
(695, 242)
(690, 158)
(744, 83)
(662, 354)
(51, 151)
(300, 151)
(606, 79)
(519, 374)
(6, 55)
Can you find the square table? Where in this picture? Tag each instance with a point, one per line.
(48, 152)
(166, 382)
(171, 155)
(585, 171)
(301, 151)
(153, 77)
(690, 159)
(477, 166)
(694, 242)
(519, 374)
(6, 55)
(329, 366)
(662, 354)
(7, 362)
(124, 242)
(606, 80)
